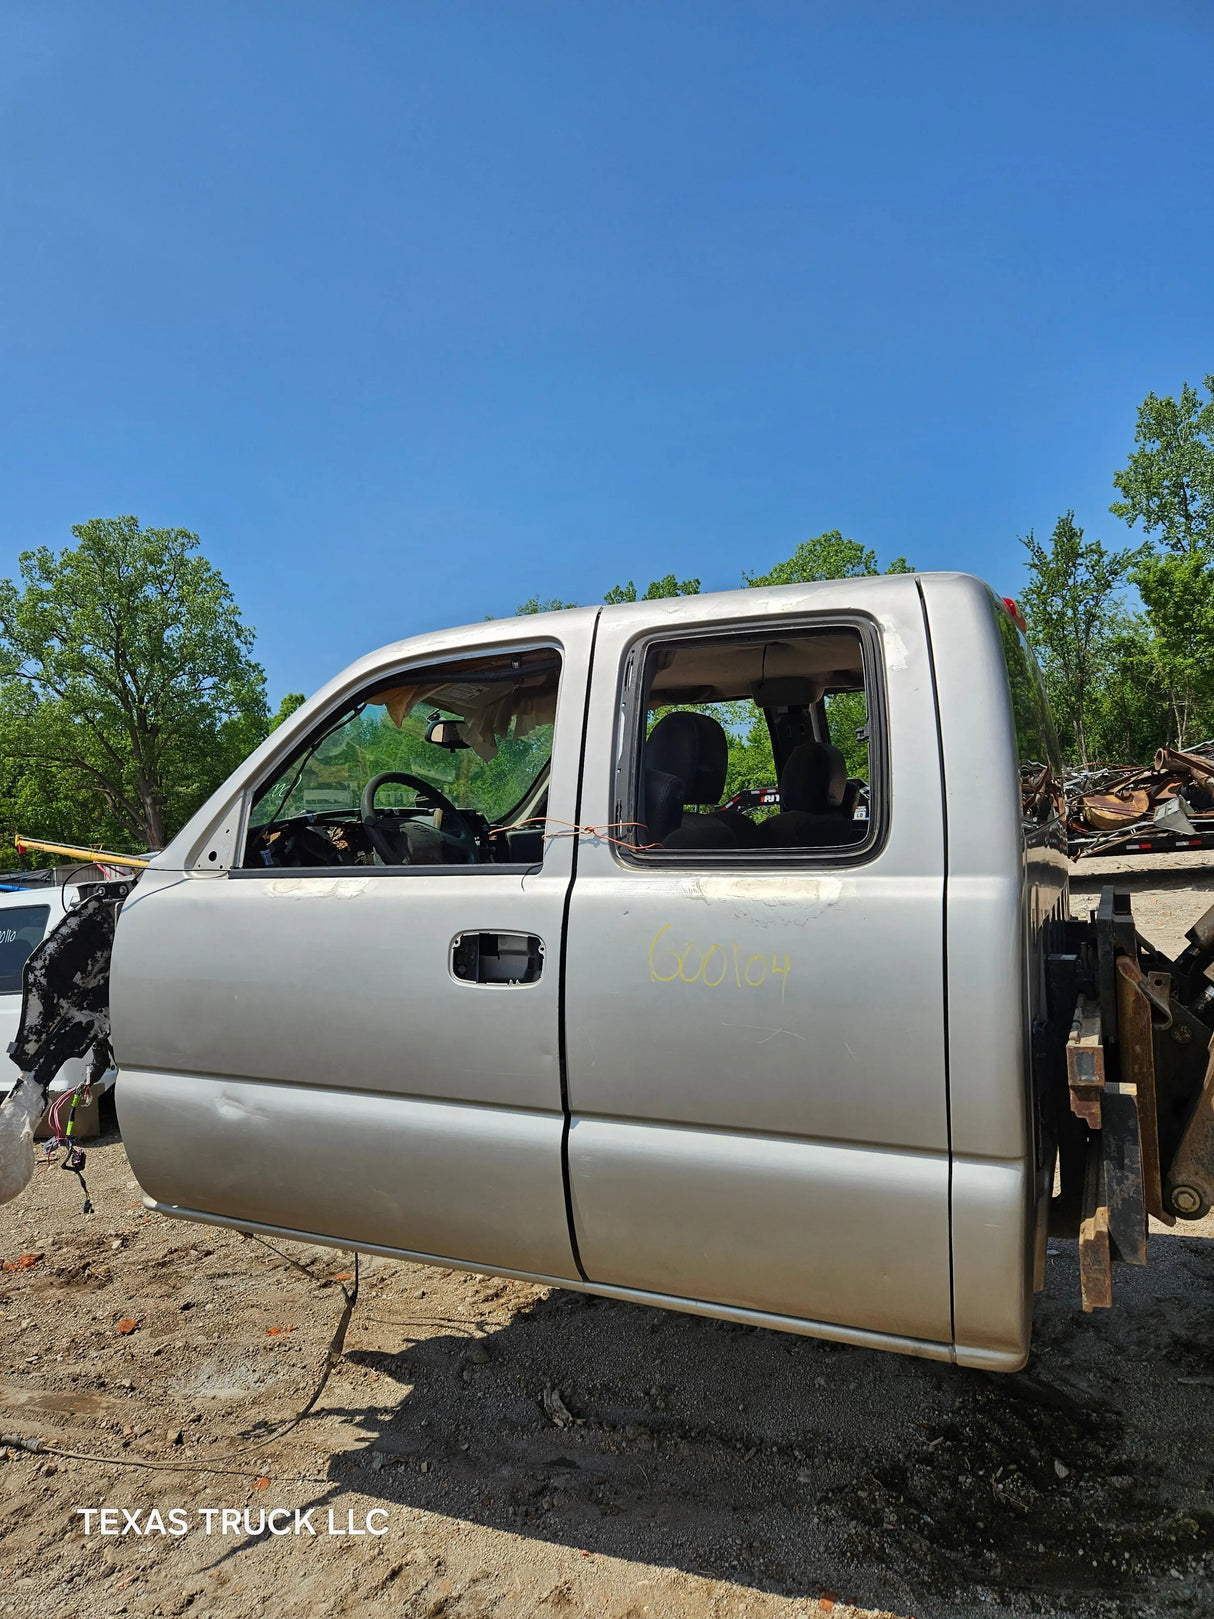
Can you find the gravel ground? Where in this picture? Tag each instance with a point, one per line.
(534, 1451)
(1169, 891)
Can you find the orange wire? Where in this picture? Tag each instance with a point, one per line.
(574, 830)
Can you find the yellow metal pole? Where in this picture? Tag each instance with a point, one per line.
(79, 853)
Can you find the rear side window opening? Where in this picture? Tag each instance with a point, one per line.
(21, 928)
(443, 766)
(751, 748)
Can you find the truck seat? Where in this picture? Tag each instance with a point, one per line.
(685, 762)
(814, 779)
(817, 801)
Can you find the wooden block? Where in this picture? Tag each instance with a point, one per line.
(1095, 1259)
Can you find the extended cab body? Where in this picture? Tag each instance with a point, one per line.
(572, 1023)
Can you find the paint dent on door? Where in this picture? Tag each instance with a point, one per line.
(398, 1172)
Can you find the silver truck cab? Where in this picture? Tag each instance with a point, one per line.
(466, 964)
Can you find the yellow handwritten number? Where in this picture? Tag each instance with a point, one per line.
(712, 983)
(664, 978)
(667, 955)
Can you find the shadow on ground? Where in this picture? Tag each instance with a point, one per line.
(733, 1452)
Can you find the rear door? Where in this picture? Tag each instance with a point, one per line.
(756, 1061)
(365, 1053)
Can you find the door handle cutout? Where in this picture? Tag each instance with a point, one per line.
(497, 958)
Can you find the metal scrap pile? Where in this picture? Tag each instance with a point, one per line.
(1169, 802)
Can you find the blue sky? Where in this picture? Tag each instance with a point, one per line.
(413, 310)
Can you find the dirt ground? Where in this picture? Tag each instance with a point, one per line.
(1169, 891)
(534, 1451)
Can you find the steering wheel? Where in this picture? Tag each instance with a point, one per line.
(395, 851)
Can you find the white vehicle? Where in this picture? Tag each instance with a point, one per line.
(27, 915)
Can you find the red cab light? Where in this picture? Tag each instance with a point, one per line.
(1016, 616)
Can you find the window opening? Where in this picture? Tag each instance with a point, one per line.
(427, 768)
(753, 745)
(21, 928)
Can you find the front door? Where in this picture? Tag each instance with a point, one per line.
(755, 1030)
(353, 1033)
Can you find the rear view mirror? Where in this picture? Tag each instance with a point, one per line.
(446, 734)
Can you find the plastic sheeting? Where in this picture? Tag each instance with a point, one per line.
(19, 1115)
(486, 711)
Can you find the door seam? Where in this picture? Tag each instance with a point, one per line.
(948, 1095)
(561, 1025)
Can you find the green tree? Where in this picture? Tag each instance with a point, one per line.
(1178, 595)
(1168, 483)
(292, 701)
(826, 556)
(655, 590)
(537, 604)
(1127, 714)
(126, 683)
(750, 758)
(831, 555)
(847, 722)
(47, 803)
(1072, 605)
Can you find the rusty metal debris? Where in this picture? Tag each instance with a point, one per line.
(1190, 1182)
(1085, 1063)
(1168, 804)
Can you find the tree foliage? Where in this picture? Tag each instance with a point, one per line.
(1168, 488)
(1128, 715)
(847, 723)
(1073, 605)
(1178, 595)
(826, 556)
(127, 689)
(1168, 482)
(540, 604)
(292, 701)
(655, 590)
(1126, 676)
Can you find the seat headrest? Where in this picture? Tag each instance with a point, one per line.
(694, 748)
(814, 779)
(788, 691)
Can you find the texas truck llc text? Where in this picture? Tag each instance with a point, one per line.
(118, 1521)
